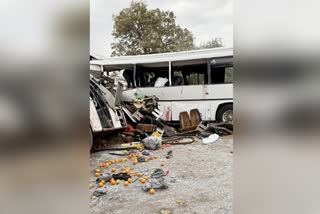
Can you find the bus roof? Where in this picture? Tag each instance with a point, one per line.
(121, 62)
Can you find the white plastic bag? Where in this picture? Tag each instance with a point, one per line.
(211, 139)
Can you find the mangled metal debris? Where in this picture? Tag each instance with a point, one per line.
(138, 119)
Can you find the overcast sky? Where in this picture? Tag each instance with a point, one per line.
(205, 18)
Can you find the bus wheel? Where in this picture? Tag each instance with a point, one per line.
(225, 113)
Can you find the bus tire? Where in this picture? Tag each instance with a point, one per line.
(225, 113)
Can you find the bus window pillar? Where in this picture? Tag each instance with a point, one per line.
(170, 81)
(134, 75)
(209, 70)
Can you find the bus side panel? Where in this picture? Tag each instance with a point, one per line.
(175, 99)
(185, 92)
(207, 109)
(166, 109)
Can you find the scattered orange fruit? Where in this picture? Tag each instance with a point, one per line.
(103, 181)
(135, 161)
(146, 160)
(162, 164)
(101, 165)
(118, 181)
(113, 182)
(155, 157)
(100, 184)
(113, 170)
(143, 180)
(152, 191)
(128, 170)
(96, 174)
(139, 174)
(130, 180)
(98, 170)
(126, 183)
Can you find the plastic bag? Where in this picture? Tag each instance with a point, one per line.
(211, 139)
(152, 142)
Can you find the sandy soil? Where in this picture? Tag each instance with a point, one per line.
(200, 181)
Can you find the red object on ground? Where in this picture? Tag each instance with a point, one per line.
(129, 128)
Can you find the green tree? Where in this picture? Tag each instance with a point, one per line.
(213, 43)
(138, 30)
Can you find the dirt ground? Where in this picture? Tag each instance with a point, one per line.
(200, 182)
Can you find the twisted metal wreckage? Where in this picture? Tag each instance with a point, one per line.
(140, 117)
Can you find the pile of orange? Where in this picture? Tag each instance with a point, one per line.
(112, 181)
(107, 163)
(142, 180)
(101, 183)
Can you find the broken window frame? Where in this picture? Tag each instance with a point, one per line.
(226, 62)
(210, 64)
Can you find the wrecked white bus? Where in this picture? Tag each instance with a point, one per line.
(199, 79)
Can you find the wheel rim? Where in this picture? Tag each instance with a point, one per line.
(227, 116)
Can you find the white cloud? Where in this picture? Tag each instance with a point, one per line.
(206, 19)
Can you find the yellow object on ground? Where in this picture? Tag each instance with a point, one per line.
(152, 191)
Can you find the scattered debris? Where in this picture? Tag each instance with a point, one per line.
(100, 191)
(121, 176)
(156, 181)
(150, 128)
(169, 155)
(180, 202)
(145, 152)
(211, 139)
(164, 211)
(119, 153)
(178, 140)
(104, 176)
(152, 142)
